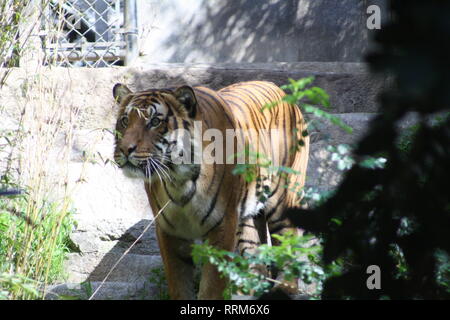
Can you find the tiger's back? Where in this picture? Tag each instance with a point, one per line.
(282, 130)
(281, 126)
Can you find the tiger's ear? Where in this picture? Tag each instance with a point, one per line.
(186, 96)
(120, 91)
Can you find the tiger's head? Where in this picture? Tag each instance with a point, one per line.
(154, 132)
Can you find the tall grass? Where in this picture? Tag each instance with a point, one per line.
(31, 255)
(19, 21)
(34, 226)
(11, 15)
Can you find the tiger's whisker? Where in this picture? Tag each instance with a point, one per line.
(147, 172)
(163, 164)
(156, 169)
(163, 170)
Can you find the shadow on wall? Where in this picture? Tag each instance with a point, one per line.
(206, 31)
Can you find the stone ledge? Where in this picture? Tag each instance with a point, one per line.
(323, 67)
(350, 86)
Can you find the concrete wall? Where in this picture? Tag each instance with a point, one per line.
(208, 31)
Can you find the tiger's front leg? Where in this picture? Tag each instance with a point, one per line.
(212, 285)
(178, 265)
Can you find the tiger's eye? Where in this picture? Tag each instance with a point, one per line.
(124, 121)
(155, 122)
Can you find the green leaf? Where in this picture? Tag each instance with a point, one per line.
(323, 114)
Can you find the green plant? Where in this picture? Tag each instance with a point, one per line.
(443, 269)
(407, 136)
(314, 96)
(298, 92)
(13, 283)
(158, 278)
(295, 255)
(86, 289)
(33, 248)
(257, 160)
(35, 226)
(83, 293)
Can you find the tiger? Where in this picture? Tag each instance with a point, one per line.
(200, 200)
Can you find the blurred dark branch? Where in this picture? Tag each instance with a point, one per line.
(370, 205)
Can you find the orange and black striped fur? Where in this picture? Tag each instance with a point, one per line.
(206, 200)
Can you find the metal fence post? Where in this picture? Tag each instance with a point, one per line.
(131, 31)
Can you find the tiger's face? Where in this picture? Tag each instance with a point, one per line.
(153, 131)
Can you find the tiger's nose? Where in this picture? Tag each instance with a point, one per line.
(131, 148)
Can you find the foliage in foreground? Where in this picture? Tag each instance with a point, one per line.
(397, 217)
(295, 255)
(34, 239)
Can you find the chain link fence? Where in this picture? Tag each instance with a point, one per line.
(88, 33)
